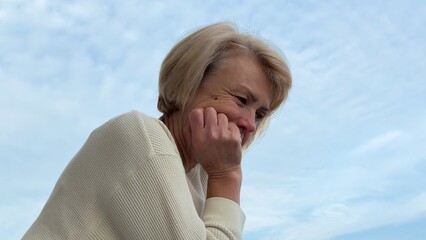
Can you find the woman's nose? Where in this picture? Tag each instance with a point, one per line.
(247, 122)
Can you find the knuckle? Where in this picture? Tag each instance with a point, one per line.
(214, 135)
(233, 127)
(196, 112)
(210, 110)
(222, 117)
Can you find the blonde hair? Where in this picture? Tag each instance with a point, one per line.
(199, 54)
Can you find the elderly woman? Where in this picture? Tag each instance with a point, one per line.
(177, 177)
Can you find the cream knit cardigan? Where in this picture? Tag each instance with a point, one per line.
(128, 182)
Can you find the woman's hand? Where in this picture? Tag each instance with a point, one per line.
(215, 144)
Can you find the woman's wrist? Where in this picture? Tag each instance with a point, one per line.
(226, 184)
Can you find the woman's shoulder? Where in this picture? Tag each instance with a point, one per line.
(135, 127)
(131, 119)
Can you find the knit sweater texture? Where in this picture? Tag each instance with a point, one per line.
(128, 182)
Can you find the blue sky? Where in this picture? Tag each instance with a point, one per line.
(344, 159)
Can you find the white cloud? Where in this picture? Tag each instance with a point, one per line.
(347, 147)
(379, 141)
(343, 218)
(331, 202)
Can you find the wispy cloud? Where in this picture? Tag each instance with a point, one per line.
(344, 155)
(379, 141)
(332, 201)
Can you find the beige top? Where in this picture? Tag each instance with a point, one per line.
(128, 182)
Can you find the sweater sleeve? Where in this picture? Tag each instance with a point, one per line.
(128, 182)
(154, 202)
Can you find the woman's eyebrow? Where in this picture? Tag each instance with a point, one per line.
(253, 98)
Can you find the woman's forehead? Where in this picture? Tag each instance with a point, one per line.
(243, 73)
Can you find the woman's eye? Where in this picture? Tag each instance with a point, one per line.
(259, 116)
(243, 100)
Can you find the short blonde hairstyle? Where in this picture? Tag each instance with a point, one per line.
(199, 54)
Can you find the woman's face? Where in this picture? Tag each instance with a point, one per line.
(240, 90)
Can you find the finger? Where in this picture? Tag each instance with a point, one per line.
(210, 117)
(235, 131)
(222, 121)
(196, 120)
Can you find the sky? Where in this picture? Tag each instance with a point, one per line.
(344, 159)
